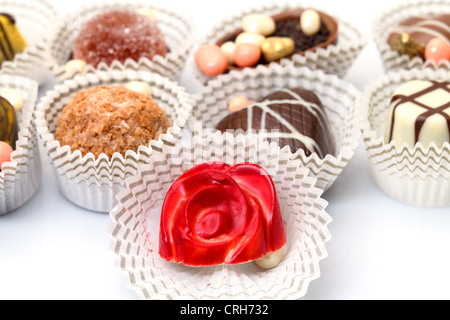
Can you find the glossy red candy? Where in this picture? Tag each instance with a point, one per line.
(217, 214)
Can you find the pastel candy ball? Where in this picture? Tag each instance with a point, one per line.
(437, 49)
(247, 55)
(238, 103)
(5, 152)
(259, 23)
(211, 60)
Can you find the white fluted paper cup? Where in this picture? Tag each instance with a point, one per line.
(135, 225)
(390, 17)
(416, 176)
(34, 19)
(178, 30)
(20, 178)
(338, 97)
(334, 59)
(90, 182)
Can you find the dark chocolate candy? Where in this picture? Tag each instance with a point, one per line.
(291, 117)
(9, 128)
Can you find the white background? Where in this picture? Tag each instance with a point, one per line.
(380, 249)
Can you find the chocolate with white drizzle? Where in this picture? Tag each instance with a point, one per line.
(419, 112)
(424, 28)
(291, 117)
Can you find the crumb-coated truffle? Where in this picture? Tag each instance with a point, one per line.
(110, 119)
(119, 35)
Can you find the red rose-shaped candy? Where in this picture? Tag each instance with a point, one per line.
(217, 214)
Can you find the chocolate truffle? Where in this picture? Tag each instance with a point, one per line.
(413, 34)
(119, 35)
(419, 112)
(291, 117)
(11, 40)
(109, 120)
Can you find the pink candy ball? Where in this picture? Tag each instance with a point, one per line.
(238, 103)
(211, 60)
(247, 55)
(437, 49)
(5, 152)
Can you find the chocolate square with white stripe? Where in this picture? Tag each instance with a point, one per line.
(291, 117)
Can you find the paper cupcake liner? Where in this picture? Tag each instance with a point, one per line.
(34, 20)
(176, 27)
(337, 96)
(416, 176)
(93, 183)
(390, 18)
(335, 59)
(20, 178)
(135, 225)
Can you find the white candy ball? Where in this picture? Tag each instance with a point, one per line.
(310, 22)
(250, 37)
(139, 86)
(78, 65)
(228, 48)
(14, 98)
(271, 260)
(259, 23)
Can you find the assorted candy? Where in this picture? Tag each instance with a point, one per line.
(262, 40)
(217, 214)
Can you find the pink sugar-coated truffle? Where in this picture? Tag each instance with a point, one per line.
(119, 35)
(5, 152)
(247, 55)
(437, 49)
(238, 103)
(211, 60)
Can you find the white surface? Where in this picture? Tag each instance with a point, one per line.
(381, 249)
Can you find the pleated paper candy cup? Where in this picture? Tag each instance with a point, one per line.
(20, 178)
(390, 17)
(416, 176)
(90, 182)
(34, 20)
(177, 28)
(334, 59)
(338, 97)
(135, 225)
